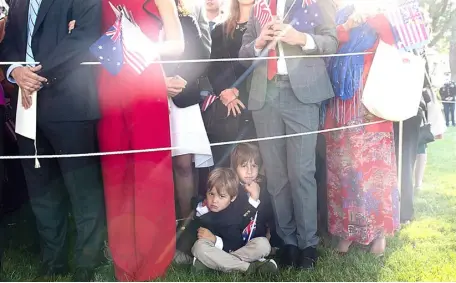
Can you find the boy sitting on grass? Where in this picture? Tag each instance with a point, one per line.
(246, 162)
(218, 230)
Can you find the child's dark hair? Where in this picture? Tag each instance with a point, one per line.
(223, 180)
(245, 152)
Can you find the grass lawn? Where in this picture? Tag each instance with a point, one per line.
(423, 251)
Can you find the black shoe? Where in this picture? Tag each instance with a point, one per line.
(83, 275)
(288, 255)
(265, 267)
(307, 258)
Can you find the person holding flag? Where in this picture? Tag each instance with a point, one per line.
(139, 190)
(285, 97)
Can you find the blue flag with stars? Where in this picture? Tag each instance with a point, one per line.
(108, 49)
(305, 15)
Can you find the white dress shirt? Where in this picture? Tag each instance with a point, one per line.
(281, 63)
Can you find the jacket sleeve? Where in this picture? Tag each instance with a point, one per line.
(248, 41)
(325, 36)
(220, 74)
(231, 236)
(74, 48)
(191, 72)
(247, 206)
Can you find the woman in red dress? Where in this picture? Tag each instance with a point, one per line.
(135, 115)
(363, 197)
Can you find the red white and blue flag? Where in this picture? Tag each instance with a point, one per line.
(306, 17)
(249, 230)
(262, 12)
(408, 25)
(208, 100)
(306, 3)
(108, 49)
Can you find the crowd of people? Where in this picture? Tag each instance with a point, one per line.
(237, 205)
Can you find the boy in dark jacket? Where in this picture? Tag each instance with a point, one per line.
(246, 162)
(218, 230)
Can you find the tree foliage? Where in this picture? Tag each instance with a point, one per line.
(442, 15)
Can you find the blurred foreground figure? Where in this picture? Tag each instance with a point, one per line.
(67, 114)
(139, 189)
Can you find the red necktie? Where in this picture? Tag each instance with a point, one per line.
(272, 63)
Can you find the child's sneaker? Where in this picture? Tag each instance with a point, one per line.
(268, 266)
(198, 266)
(182, 258)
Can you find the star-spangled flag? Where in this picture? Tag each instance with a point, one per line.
(262, 12)
(108, 49)
(249, 230)
(305, 16)
(408, 25)
(139, 50)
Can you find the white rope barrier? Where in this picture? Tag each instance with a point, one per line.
(218, 60)
(173, 148)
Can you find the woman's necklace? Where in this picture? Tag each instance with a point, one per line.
(241, 27)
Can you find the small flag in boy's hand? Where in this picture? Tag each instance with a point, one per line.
(108, 49)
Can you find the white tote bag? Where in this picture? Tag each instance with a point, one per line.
(435, 116)
(394, 84)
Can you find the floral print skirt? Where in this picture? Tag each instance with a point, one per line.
(363, 196)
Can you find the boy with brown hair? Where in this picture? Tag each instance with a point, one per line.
(216, 232)
(246, 162)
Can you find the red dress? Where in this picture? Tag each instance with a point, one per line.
(363, 197)
(138, 187)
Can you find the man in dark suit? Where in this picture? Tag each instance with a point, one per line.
(57, 34)
(285, 98)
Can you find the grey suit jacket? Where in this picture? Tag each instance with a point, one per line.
(308, 76)
(204, 27)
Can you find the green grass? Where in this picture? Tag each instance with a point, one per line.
(423, 251)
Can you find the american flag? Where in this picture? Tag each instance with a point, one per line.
(108, 49)
(249, 230)
(262, 12)
(208, 101)
(408, 26)
(135, 46)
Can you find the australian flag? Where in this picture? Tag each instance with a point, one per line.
(249, 230)
(108, 49)
(305, 15)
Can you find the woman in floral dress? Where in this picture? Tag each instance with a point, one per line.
(362, 179)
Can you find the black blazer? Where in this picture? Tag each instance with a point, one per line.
(191, 72)
(71, 93)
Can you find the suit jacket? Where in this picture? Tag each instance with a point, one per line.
(308, 76)
(71, 92)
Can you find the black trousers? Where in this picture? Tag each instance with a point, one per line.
(411, 128)
(2, 179)
(59, 180)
